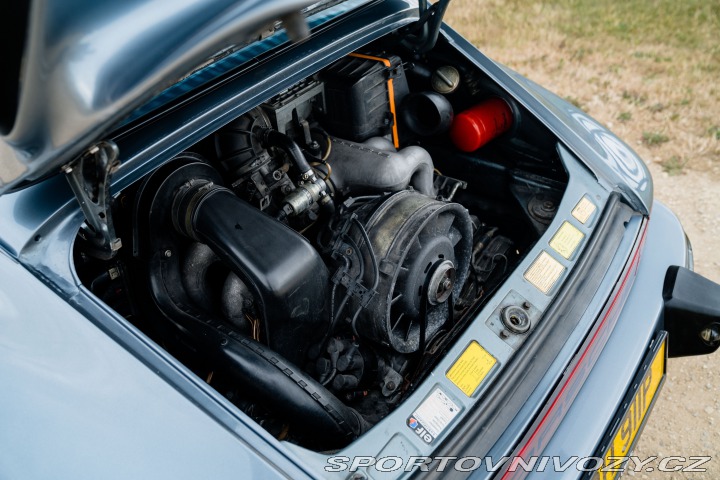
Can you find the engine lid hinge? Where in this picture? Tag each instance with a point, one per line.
(89, 177)
(420, 37)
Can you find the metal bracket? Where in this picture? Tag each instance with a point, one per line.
(447, 187)
(420, 37)
(89, 177)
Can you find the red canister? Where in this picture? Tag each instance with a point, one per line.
(474, 127)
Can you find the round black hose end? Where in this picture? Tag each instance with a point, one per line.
(185, 203)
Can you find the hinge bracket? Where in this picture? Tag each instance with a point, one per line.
(420, 37)
(89, 177)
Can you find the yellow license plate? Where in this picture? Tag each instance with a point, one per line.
(624, 438)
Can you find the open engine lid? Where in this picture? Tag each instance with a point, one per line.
(80, 66)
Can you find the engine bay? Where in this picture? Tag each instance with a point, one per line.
(313, 259)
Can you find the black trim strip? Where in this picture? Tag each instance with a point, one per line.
(490, 418)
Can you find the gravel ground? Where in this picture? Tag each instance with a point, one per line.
(686, 417)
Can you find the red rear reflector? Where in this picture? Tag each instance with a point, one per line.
(562, 398)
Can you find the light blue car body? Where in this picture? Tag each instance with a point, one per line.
(84, 394)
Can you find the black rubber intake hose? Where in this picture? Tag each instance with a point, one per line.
(284, 272)
(285, 388)
(170, 200)
(264, 376)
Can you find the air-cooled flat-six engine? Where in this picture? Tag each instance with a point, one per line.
(309, 258)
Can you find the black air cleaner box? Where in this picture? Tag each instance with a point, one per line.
(361, 94)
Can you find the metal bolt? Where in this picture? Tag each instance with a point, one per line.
(348, 251)
(113, 273)
(711, 334)
(168, 253)
(441, 281)
(390, 385)
(526, 305)
(504, 334)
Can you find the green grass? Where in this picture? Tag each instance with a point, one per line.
(714, 131)
(673, 165)
(657, 107)
(680, 23)
(633, 97)
(652, 139)
(685, 24)
(575, 101)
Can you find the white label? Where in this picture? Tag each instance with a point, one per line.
(583, 210)
(433, 415)
(544, 272)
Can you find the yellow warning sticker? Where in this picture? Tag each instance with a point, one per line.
(471, 368)
(544, 272)
(584, 210)
(566, 240)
